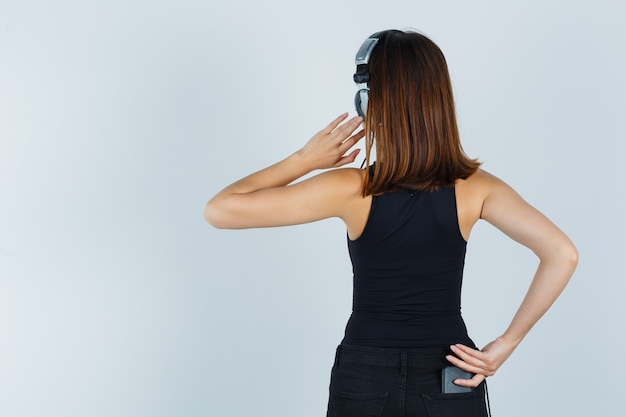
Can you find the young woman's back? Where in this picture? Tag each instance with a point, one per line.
(408, 217)
(408, 268)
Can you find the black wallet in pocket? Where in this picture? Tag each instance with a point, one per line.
(448, 375)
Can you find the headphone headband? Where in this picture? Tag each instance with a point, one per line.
(363, 55)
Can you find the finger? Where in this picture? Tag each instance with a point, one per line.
(348, 158)
(465, 365)
(356, 136)
(351, 141)
(467, 354)
(472, 382)
(348, 127)
(467, 349)
(333, 125)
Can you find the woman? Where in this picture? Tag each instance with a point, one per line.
(408, 216)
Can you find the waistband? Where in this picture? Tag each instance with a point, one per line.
(393, 357)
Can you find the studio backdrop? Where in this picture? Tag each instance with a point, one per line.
(120, 119)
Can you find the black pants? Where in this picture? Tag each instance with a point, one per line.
(377, 382)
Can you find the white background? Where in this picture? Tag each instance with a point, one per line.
(119, 119)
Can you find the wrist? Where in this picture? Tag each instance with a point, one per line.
(301, 160)
(510, 339)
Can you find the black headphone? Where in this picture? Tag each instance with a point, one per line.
(362, 75)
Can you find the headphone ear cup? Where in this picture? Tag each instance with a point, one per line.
(360, 101)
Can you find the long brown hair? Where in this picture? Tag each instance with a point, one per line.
(411, 118)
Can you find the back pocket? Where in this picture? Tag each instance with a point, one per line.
(352, 404)
(466, 404)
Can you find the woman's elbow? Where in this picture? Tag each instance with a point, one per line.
(214, 216)
(572, 256)
(562, 253)
(566, 255)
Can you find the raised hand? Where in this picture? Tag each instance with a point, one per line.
(327, 149)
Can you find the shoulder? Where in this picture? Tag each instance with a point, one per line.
(480, 179)
(347, 175)
(495, 197)
(353, 207)
(473, 196)
(480, 185)
(476, 186)
(339, 190)
(346, 181)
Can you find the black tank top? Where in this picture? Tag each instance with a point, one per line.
(408, 269)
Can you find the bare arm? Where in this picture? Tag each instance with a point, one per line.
(558, 257)
(265, 198)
